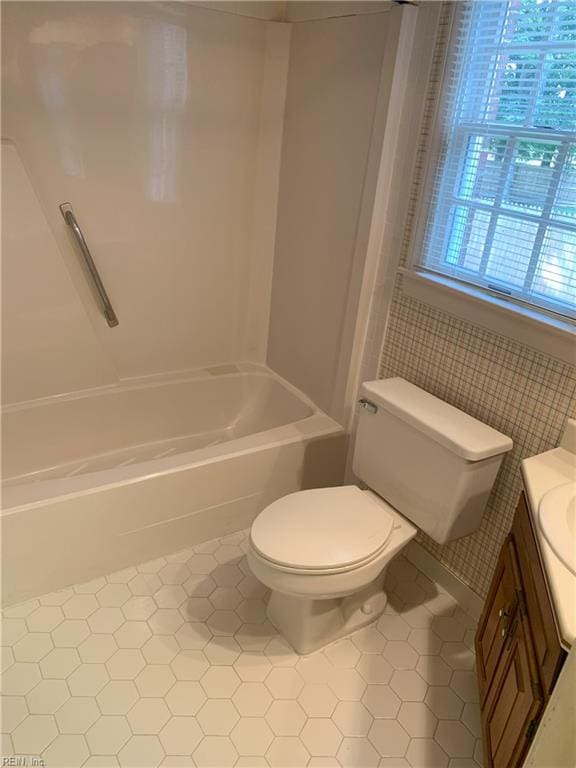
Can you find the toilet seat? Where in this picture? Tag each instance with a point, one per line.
(322, 531)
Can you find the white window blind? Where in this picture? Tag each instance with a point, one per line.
(501, 199)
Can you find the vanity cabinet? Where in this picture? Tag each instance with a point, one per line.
(518, 651)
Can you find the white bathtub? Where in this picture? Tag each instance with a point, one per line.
(97, 481)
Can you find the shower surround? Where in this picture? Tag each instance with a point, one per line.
(161, 124)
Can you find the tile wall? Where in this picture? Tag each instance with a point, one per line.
(513, 388)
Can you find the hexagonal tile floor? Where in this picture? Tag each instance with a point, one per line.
(173, 663)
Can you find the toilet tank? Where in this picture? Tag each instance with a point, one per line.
(432, 462)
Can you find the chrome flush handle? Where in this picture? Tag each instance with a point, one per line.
(368, 405)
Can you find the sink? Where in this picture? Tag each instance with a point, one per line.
(557, 515)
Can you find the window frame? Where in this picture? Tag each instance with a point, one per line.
(427, 284)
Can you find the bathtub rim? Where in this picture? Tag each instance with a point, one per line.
(160, 379)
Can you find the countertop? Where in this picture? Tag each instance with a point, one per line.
(541, 473)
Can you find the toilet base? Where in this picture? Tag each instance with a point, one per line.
(311, 624)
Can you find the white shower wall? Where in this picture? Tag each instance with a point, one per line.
(161, 124)
(223, 169)
(339, 107)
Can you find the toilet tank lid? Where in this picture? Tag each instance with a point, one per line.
(460, 433)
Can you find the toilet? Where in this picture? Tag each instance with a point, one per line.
(323, 552)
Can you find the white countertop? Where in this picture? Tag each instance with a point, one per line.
(542, 473)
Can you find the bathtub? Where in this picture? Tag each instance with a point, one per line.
(94, 482)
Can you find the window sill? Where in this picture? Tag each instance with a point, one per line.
(539, 331)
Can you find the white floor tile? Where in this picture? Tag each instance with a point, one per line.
(173, 663)
(20, 678)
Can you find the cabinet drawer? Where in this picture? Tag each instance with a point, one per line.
(549, 652)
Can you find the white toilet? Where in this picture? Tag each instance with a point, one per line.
(323, 552)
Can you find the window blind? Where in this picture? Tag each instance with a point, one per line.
(501, 210)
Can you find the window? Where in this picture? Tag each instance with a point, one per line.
(501, 211)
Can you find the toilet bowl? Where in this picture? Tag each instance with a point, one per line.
(323, 552)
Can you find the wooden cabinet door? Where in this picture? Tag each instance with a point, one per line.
(518, 653)
(549, 653)
(514, 702)
(499, 612)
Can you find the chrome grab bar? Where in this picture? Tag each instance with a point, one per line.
(70, 219)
